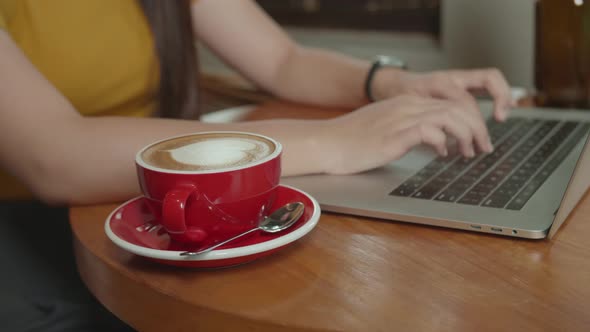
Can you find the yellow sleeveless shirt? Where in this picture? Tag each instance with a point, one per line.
(98, 53)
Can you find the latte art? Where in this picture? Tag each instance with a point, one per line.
(208, 152)
(221, 152)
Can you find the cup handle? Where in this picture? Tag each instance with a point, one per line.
(174, 214)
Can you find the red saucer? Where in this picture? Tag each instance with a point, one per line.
(132, 227)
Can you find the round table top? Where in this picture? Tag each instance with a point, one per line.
(353, 274)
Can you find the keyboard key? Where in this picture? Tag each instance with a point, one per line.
(496, 201)
(402, 191)
(470, 199)
(448, 196)
(426, 192)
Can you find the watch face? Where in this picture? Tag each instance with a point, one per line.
(392, 61)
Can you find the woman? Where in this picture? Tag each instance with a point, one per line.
(78, 80)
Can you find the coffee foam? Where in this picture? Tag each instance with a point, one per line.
(208, 152)
(219, 153)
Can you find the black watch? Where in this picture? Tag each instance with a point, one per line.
(380, 62)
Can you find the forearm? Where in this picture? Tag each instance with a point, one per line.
(321, 77)
(95, 162)
(251, 42)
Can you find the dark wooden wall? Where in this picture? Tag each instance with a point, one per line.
(390, 15)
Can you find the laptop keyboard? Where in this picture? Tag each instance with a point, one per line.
(526, 152)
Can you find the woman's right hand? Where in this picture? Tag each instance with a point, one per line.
(381, 132)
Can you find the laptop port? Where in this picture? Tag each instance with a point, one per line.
(476, 226)
(496, 229)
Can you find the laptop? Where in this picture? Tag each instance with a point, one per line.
(539, 170)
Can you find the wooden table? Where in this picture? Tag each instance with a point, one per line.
(353, 274)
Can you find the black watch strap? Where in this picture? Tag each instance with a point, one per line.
(380, 62)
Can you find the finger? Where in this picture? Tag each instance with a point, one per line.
(456, 127)
(494, 83)
(476, 122)
(454, 92)
(422, 133)
(465, 101)
(462, 113)
(456, 119)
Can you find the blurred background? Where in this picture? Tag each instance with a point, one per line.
(427, 34)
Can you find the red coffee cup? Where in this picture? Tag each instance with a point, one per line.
(208, 187)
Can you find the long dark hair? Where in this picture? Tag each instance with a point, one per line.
(171, 26)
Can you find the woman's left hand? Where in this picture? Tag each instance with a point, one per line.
(454, 85)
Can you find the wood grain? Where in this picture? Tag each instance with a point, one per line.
(353, 274)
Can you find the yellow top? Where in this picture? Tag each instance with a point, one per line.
(98, 53)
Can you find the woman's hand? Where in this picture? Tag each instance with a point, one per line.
(384, 131)
(453, 85)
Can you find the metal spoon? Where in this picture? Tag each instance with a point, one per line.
(277, 221)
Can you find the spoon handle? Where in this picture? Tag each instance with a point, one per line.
(195, 253)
